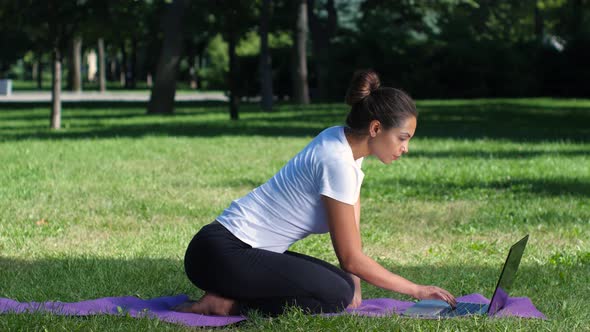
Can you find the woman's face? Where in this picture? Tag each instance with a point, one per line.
(389, 145)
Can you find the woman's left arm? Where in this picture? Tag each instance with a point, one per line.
(357, 299)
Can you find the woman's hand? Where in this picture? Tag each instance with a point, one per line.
(434, 293)
(356, 299)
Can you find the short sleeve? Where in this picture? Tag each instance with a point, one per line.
(360, 161)
(340, 180)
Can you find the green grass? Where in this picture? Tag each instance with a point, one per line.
(122, 193)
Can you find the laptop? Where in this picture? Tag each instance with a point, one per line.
(441, 309)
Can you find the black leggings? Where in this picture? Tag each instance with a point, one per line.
(216, 261)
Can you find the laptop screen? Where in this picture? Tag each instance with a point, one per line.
(507, 276)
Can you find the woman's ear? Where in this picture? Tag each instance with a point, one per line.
(374, 127)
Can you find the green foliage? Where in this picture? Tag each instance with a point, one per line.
(279, 40)
(213, 75)
(250, 44)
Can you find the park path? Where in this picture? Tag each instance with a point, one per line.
(114, 96)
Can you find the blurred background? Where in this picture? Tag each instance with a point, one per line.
(302, 51)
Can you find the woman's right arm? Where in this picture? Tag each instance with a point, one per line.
(347, 244)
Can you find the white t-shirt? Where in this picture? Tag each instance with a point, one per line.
(288, 207)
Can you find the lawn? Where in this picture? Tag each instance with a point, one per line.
(106, 206)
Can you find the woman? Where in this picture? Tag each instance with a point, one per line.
(241, 259)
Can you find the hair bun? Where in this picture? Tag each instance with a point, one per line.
(362, 83)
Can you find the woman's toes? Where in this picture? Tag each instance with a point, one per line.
(184, 307)
(208, 305)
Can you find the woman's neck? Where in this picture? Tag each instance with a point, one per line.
(359, 144)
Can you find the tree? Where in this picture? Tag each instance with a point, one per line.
(196, 37)
(300, 84)
(232, 39)
(233, 19)
(101, 66)
(75, 64)
(164, 89)
(539, 23)
(265, 59)
(55, 117)
(322, 31)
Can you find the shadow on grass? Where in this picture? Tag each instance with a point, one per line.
(86, 109)
(503, 154)
(519, 186)
(505, 121)
(182, 129)
(510, 121)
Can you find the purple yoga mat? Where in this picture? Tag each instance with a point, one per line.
(160, 308)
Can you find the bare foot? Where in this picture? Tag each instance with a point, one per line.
(184, 307)
(209, 304)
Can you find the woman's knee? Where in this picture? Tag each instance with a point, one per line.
(202, 257)
(338, 294)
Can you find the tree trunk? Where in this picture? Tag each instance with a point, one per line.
(539, 23)
(192, 67)
(164, 89)
(123, 72)
(132, 73)
(112, 68)
(232, 79)
(576, 19)
(56, 90)
(300, 86)
(34, 70)
(101, 66)
(39, 71)
(200, 62)
(201, 58)
(75, 74)
(265, 60)
(192, 71)
(321, 36)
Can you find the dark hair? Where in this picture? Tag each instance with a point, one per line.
(369, 101)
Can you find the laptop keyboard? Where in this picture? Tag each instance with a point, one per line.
(465, 309)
